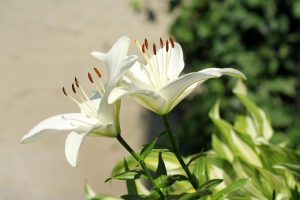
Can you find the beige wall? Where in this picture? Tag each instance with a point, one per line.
(43, 45)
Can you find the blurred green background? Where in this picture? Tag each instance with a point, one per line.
(260, 38)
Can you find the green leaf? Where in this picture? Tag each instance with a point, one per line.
(210, 184)
(199, 170)
(294, 169)
(128, 175)
(132, 197)
(230, 188)
(89, 192)
(130, 184)
(196, 195)
(147, 149)
(161, 168)
(262, 124)
(153, 196)
(170, 180)
(195, 157)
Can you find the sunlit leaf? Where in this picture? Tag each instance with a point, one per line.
(230, 188)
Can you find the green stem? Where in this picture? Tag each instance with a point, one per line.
(141, 162)
(176, 152)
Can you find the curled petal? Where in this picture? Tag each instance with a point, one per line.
(225, 71)
(63, 122)
(178, 89)
(73, 145)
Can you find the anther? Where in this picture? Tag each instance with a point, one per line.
(146, 43)
(161, 43)
(90, 77)
(167, 45)
(76, 82)
(73, 88)
(172, 42)
(154, 49)
(64, 91)
(97, 72)
(143, 48)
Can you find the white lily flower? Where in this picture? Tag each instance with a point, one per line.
(157, 85)
(97, 117)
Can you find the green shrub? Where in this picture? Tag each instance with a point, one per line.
(261, 39)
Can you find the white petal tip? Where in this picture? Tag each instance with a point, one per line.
(25, 139)
(99, 55)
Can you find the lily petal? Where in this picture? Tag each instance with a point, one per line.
(125, 65)
(73, 145)
(146, 98)
(99, 56)
(64, 122)
(176, 88)
(176, 64)
(225, 71)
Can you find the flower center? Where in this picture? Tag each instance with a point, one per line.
(157, 60)
(80, 97)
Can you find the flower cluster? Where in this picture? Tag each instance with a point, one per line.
(156, 85)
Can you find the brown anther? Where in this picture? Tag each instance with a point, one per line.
(97, 72)
(76, 82)
(64, 91)
(143, 48)
(73, 88)
(161, 43)
(154, 49)
(172, 42)
(167, 45)
(90, 77)
(146, 43)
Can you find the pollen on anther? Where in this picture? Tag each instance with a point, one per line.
(167, 45)
(146, 43)
(154, 49)
(161, 43)
(90, 77)
(76, 82)
(64, 91)
(97, 72)
(172, 42)
(143, 48)
(73, 88)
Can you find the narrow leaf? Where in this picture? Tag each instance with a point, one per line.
(161, 168)
(147, 149)
(211, 184)
(195, 157)
(230, 188)
(196, 195)
(129, 175)
(130, 184)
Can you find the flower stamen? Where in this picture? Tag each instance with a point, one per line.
(66, 94)
(146, 43)
(101, 89)
(161, 43)
(172, 42)
(153, 70)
